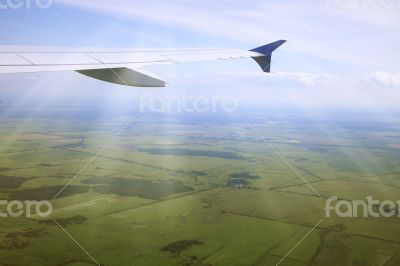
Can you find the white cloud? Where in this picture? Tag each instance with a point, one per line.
(385, 78)
(296, 88)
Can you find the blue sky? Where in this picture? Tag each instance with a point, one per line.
(340, 52)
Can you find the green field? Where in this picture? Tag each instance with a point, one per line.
(198, 192)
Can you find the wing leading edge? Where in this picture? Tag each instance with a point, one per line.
(120, 66)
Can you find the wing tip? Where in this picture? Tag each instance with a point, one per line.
(267, 49)
(265, 54)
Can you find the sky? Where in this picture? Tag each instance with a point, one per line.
(339, 52)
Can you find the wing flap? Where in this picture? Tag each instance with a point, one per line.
(206, 56)
(113, 58)
(59, 58)
(12, 60)
(125, 76)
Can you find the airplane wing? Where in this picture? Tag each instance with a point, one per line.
(120, 66)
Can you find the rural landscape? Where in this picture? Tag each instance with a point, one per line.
(208, 190)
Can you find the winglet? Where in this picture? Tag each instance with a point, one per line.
(265, 54)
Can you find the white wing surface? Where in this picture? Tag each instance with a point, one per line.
(120, 66)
